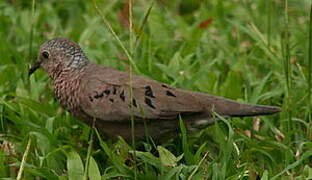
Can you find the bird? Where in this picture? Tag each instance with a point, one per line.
(108, 97)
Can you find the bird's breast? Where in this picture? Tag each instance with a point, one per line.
(66, 90)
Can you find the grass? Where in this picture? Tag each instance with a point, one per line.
(250, 51)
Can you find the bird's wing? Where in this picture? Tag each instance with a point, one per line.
(107, 96)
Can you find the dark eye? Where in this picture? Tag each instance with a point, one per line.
(45, 54)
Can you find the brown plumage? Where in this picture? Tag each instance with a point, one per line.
(90, 91)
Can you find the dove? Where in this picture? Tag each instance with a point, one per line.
(90, 91)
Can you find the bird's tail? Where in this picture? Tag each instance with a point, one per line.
(227, 107)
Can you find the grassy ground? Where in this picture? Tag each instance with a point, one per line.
(251, 51)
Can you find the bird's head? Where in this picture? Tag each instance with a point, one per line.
(59, 54)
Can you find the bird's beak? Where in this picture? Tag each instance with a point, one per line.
(34, 67)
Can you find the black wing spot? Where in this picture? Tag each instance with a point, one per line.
(114, 90)
(90, 98)
(169, 93)
(98, 95)
(106, 91)
(134, 103)
(111, 100)
(122, 96)
(149, 92)
(148, 101)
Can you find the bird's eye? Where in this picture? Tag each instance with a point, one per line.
(45, 54)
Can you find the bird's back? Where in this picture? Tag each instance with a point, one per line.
(112, 98)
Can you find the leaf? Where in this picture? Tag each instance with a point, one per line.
(3, 162)
(304, 156)
(166, 157)
(188, 156)
(265, 175)
(43, 140)
(49, 124)
(174, 171)
(116, 160)
(258, 89)
(93, 171)
(232, 87)
(42, 172)
(74, 166)
(38, 107)
(148, 158)
(307, 171)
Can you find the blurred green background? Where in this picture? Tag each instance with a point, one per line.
(252, 51)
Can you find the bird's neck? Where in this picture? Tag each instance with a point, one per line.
(77, 62)
(60, 71)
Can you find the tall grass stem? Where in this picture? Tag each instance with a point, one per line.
(131, 43)
(86, 172)
(310, 71)
(287, 68)
(106, 22)
(25, 155)
(31, 33)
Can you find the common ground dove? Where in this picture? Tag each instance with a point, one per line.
(89, 91)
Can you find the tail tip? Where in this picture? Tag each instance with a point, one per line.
(266, 110)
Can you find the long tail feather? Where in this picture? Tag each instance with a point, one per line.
(232, 108)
